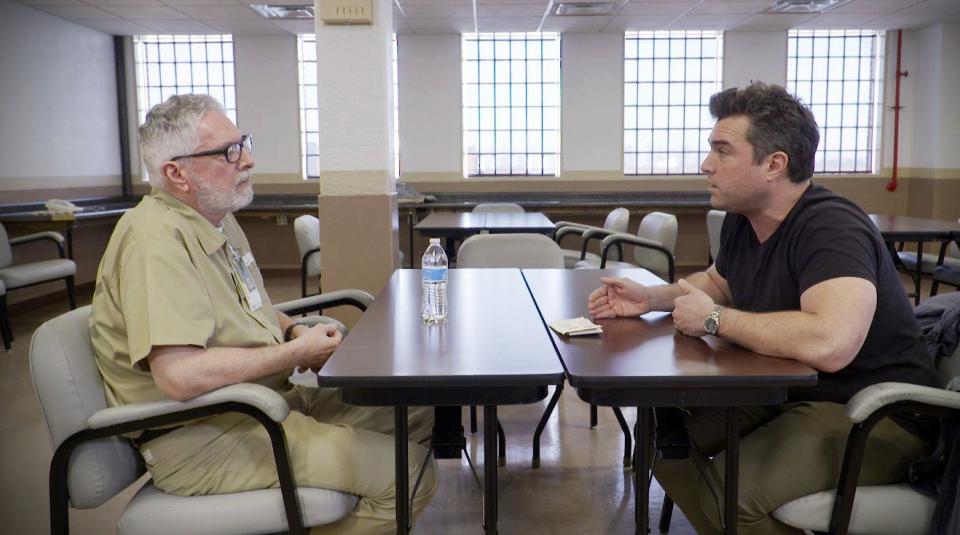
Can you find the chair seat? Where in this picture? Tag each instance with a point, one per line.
(571, 257)
(611, 264)
(880, 510)
(948, 275)
(909, 260)
(152, 511)
(34, 272)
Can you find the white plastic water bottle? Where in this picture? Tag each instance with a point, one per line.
(433, 283)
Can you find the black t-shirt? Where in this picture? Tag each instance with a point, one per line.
(824, 237)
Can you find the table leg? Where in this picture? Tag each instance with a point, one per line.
(490, 469)
(732, 468)
(70, 241)
(918, 274)
(401, 462)
(641, 470)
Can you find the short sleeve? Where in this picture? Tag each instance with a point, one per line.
(835, 247)
(163, 299)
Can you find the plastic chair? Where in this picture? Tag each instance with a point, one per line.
(92, 462)
(654, 244)
(881, 509)
(306, 229)
(498, 207)
(714, 224)
(617, 221)
(18, 276)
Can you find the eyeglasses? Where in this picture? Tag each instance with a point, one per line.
(231, 152)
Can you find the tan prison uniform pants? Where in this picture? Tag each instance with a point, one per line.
(332, 445)
(786, 452)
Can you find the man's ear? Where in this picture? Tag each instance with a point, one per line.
(777, 164)
(173, 172)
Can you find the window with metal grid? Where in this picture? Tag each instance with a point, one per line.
(668, 80)
(309, 107)
(177, 64)
(511, 104)
(839, 74)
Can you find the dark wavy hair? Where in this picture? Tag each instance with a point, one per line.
(778, 122)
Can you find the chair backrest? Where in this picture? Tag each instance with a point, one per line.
(659, 227)
(6, 252)
(70, 390)
(498, 207)
(617, 220)
(509, 250)
(714, 224)
(306, 228)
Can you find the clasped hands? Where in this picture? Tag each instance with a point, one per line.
(622, 297)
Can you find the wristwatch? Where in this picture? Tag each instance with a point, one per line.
(712, 323)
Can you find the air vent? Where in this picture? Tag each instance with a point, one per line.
(283, 12)
(579, 9)
(804, 6)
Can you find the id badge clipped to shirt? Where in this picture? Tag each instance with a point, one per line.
(246, 282)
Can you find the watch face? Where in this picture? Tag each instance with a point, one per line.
(710, 325)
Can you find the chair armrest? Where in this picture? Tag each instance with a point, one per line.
(56, 237)
(867, 401)
(561, 224)
(575, 230)
(261, 397)
(620, 238)
(593, 233)
(356, 298)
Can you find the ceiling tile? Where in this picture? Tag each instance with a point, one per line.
(748, 7)
(220, 12)
(507, 10)
(906, 20)
(116, 27)
(35, 3)
(178, 26)
(508, 24)
(576, 24)
(459, 25)
(839, 20)
(656, 9)
(147, 12)
(296, 26)
(698, 22)
(639, 23)
(767, 21)
(76, 13)
(933, 7)
(102, 3)
(872, 7)
(244, 26)
(438, 12)
(178, 3)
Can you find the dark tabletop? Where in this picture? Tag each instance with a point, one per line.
(648, 351)
(915, 228)
(518, 222)
(452, 221)
(493, 337)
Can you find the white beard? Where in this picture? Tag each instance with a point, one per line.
(211, 199)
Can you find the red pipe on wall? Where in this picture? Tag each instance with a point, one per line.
(892, 185)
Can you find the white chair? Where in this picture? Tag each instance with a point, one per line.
(13, 277)
(654, 244)
(882, 509)
(618, 220)
(92, 462)
(306, 228)
(714, 225)
(5, 331)
(498, 207)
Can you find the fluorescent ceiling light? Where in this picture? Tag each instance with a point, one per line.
(283, 12)
(804, 6)
(573, 9)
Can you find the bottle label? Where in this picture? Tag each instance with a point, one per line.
(433, 274)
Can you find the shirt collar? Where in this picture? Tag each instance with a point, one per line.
(210, 238)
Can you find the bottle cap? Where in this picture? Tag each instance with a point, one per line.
(434, 240)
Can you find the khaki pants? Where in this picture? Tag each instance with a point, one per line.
(332, 445)
(786, 452)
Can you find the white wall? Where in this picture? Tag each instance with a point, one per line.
(58, 103)
(268, 97)
(754, 57)
(592, 103)
(431, 121)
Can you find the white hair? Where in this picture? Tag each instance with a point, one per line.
(171, 130)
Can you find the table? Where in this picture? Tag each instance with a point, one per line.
(18, 223)
(492, 350)
(646, 363)
(458, 225)
(896, 228)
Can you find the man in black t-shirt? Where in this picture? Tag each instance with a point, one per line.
(802, 274)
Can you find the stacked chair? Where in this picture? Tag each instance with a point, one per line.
(617, 221)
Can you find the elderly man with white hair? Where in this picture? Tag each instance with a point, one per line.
(180, 309)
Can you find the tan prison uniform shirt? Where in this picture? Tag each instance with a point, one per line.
(167, 278)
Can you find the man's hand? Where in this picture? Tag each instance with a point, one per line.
(691, 309)
(321, 341)
(618, 297)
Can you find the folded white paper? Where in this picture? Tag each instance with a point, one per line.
(576, 327)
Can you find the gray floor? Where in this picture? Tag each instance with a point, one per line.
(581, 487)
